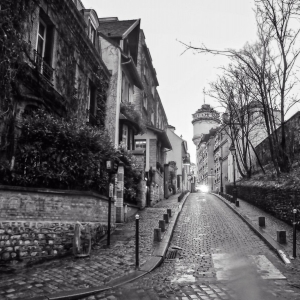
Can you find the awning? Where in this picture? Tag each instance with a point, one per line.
(131, 71)
(162, 136)
(130, 123)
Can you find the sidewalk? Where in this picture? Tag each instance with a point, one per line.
(250, 213)
(70, 278)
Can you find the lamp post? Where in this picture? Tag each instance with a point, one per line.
(233, 153)
(221, 181)
(211, 176)
(111, 168)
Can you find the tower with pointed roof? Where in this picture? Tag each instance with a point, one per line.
(204, 119)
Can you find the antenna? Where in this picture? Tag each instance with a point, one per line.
(204, 95)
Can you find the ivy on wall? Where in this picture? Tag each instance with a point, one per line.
(59, 153)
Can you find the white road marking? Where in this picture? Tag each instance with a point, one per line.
(231, 267)
(265, 268)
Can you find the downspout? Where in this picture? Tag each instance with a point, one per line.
(119, 95)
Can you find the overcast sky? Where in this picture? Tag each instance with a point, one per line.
(219, 24)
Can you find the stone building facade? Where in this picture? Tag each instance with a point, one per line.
(178, 153)
(155, 140)
(64, 74)
(204, 120)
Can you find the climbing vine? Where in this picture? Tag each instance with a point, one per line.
(21, 83)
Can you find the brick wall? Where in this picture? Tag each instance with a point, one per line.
(277, 202)
(39, 223)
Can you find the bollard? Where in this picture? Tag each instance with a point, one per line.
(157, 235)
(237, 203)
(261, 221)
(294, 232)
(162, 225)
(137, 260)
(169, 211)
(281, 236)
(166, 218)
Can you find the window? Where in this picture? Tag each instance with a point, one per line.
(140, 145)
(44, 48)
(92, 33)
(145, 101)
(152, 117)
(153, 90)
(41, 39)
(125, 135)
(129, 93)
(91, 104)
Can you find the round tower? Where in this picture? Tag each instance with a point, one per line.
(204, 119)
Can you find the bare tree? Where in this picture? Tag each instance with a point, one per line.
(232, 90)
(270, 65)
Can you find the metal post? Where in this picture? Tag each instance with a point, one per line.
(234, 184)
(137, 261)
(294, 232)
(221, 166)
(110, 195)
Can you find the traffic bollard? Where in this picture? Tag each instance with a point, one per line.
(137, 260)
(162, 225)
(281, 236)
(294, 232)
(261, 221)
(157, 234)
(169, 211)
(166, 218)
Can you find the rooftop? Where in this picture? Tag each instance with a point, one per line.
(115, 28)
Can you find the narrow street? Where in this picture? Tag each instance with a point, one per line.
(221, 258)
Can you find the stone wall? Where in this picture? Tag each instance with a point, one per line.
(277, 202)
(39, 223)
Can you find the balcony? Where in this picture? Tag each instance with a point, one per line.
(43, 67)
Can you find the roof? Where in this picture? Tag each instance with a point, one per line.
(116, 28)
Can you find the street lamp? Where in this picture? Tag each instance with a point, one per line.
(221, 181)
(233, 153)
(211, 176)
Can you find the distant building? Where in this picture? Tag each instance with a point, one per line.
(154, 140)
(205, 159)
(179, 155)
(204, 119)
(119, 47)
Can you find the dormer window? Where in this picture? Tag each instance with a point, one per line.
(92, 33)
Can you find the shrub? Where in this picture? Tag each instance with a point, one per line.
(58, 153)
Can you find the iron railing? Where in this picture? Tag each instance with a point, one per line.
(43, 68)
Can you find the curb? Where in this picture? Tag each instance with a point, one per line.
(274, 245)
(152, 262)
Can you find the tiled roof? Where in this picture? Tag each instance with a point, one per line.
(115, 28)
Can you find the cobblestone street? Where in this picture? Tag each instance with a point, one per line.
(221, 258)
(103, 265)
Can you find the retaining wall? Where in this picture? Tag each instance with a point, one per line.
(278, 202)
(39, 223)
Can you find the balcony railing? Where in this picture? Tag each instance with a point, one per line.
(43, 67)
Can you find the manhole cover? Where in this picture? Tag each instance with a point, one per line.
(171, 254)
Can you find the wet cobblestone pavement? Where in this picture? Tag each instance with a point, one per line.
(221, 258)
(272, 225)
(103, 265)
